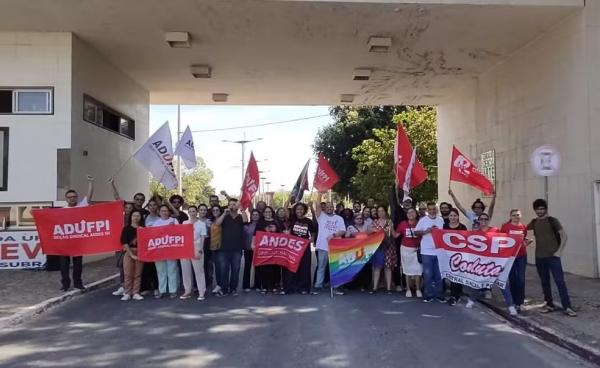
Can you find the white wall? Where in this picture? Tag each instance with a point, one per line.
(36, 59)
(93, 76)
(538, 96)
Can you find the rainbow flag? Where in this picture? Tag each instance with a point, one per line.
(348, 256)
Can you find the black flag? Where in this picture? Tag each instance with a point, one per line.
(301, 185)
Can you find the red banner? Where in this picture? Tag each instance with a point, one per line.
(278, 249)
(475, 258)
(409, 171)
(251, 183)
(79, 231)
(465, 171)
(167, 242)
(326, 177)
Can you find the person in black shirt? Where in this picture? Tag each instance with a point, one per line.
(302, 227)
(232, 243)
(177, 202)
(445, 208)
(132, 266)
(269, 275)
(454, 223)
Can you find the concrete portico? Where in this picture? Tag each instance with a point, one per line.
(507, 76)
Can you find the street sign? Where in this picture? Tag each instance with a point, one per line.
(545, 161)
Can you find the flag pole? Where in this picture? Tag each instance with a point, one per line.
(121, 167)
(179, 184)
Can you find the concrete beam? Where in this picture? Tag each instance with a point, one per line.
(574, 3)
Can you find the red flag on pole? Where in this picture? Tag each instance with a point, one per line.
(251, 183)
(409, 170)
(465, 171)
(325, 177)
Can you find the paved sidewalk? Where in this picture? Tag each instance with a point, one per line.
(24, 288)
(576, 333)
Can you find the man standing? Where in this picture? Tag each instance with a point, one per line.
(432, 279)
(356, 207)
(177, 201)
(550, 240)
(213, 200)
(232, 243)
(72, 198)
(445, 208)
(330, 225)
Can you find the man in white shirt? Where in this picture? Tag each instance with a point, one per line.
(72, 199)
(330, 226)
(432, 279)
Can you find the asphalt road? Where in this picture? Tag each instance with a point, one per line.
(355, 330)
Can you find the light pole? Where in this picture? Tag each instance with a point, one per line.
(243, 142)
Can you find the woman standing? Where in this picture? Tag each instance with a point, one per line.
(197, 263)
(386, 256)
(166, 270)
(132, 266)
(203, 213)
(366, 215)
(149, 275)
(305, 228)
(454, 223)
(215, 245)
(249, 230)
(268, 275)
(409, 252)
(364, 278)
(516, 278)
(282, 219)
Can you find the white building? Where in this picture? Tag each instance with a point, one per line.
(507, 76)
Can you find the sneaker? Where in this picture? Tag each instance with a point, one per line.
(185, 296)
(388, 292)
(547, 309)
(234, 293)
(409, 293)
(158, 296)
(216, 290)
(172, 295)
(145, 292)
(201, 297)
(570, 312)
(157, 293)
(126, 297)
(219, 294)
(137, 297)
(470, 304)
(419, 294)
(512, 310)
(427, 300)
(120, 291)
(283, 292)
(247, 290)
(304, 292)
(441, 300)
(372, 292)
(263, 291)
(452, 301)
(316, 291)
(339, 292)
(399, 288)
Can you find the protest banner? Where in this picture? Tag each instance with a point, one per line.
(78, 231)
(465, 171)
(409, 171)
(325, 177)
(474, 258)
(20, 249)
(163, 243)
(349, 255)
(251, 183)
(278, 249)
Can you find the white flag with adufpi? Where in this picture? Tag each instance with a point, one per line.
(156, 154)
(185, 149)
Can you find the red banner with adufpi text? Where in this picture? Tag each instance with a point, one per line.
(78, 231)
(278, 249)
(167, 242)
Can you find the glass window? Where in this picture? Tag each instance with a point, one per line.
(32, 101)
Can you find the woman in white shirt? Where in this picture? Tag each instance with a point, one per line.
(196, 263)
(166, 270)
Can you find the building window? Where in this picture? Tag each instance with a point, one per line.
(99, 114)
(4, 159)
(29, 101)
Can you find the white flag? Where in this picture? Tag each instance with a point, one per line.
(156, 154)
(185, 149)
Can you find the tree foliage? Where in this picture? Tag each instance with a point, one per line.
(375, 158)
(195, 184)
(352, 125)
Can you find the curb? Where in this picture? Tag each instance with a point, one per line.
(586, 352)
(32, 311)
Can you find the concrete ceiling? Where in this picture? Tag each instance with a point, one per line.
(296, 52)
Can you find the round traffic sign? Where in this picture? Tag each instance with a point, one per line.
(545, 161)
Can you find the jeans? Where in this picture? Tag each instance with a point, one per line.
(167, 276)
(516, 280)
(322, 263)
(209, 268)
(248, 253)
(545, 266)
(65, 265)
(229, 266)
(432, 279)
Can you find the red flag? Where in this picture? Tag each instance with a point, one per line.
(250, 184)
(464, 170)
(325, 177)
(165, 242)
(80, 231)
(409, 170)
(278, 249)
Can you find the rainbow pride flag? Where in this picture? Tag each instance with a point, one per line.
(348, 256)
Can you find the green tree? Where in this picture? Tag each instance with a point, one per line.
(352, 125)
(281, 197)
(375, 156)
(195, 184)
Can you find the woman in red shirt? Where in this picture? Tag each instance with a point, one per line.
(409, 248)
(516, 278)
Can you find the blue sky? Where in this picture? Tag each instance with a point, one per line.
(286, 147)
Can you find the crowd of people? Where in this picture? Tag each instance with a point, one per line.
(224, 238)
